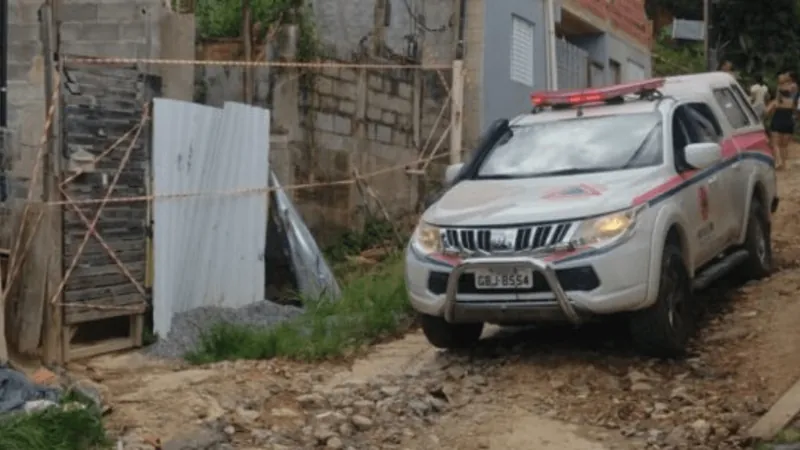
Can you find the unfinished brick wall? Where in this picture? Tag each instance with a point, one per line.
(353, 121)
(627, 16)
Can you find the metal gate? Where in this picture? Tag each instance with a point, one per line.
(573, 65)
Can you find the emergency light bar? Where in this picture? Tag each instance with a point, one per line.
(594, 95)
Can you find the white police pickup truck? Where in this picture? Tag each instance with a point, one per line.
(623, 199)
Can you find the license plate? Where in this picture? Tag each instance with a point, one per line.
(503, 279)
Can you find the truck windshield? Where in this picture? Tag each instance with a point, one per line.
(574, 146)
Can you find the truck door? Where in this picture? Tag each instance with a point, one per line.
(709, 130)
(703, 198)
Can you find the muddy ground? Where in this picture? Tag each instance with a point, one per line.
(551, 389)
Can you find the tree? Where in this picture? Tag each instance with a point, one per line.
(676, 58)
(757, 37)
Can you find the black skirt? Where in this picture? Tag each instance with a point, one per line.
(782, 121)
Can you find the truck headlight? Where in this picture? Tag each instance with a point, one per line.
(605, 228)
(427, 238)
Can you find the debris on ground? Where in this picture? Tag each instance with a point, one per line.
(187, 327)
(18, 393)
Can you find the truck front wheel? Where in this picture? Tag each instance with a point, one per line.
(758, 244)
(663, 329)
(443, 334)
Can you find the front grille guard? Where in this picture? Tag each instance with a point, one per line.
(547, 270)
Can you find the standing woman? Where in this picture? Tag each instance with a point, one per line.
(782, 124)
(759, 96)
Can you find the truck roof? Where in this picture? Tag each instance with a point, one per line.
(694, 86)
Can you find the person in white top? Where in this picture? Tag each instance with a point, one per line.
(759, 95)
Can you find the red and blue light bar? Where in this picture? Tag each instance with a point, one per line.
(594, 95)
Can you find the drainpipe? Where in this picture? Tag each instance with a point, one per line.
(3, 63)
(461, 18)
(550, 39)
(4, 144)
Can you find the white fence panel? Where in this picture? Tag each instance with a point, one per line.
(208, 250)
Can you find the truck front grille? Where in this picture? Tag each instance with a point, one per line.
(505, 240)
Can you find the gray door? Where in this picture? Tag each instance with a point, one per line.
(573, 65)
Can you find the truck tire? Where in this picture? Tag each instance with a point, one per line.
(663, 329)
(758, 244)
(443, 334)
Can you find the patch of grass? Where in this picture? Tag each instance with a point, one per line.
(376, 233)
(790, 435)
(55, 428)
(373, 306)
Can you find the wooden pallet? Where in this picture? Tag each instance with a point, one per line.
(72, 351)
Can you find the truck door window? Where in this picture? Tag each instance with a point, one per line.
(681, 137)
(707, 118)
(733, 111)
(745, 103)
(706, 132)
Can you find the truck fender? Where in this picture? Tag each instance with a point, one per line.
(751, 187)
(668, 216)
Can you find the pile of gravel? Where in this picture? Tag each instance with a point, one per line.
(187, 327)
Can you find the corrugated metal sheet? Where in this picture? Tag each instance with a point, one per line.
(573, 65)
(208, 250)
(315, 278)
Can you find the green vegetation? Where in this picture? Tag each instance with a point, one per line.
(69, 427)
(676, 58)
(223, 19)
(376, 233)
(373, 307)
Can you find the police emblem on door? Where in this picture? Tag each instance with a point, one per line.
(502, 240)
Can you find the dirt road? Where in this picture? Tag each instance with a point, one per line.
(556, 389)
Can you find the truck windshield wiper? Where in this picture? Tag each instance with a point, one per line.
(514, 176)
(575, 171)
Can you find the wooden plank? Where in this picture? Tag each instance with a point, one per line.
(108, 280)
(32, 281)
(3, 343)
(779, 415)
(81, 351)
(130, 304)
(110, 292)
(52, 348)
(137, 330)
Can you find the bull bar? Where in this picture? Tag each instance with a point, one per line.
(537, 265)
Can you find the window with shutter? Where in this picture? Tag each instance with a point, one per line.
(635, 71)
(521, 51)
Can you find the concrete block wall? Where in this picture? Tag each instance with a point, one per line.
(113, 28)
(110, 28)
(333, 146)
(26, 102)
(343, 25)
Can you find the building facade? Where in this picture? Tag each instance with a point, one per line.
(504, 41)
(599, 42)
